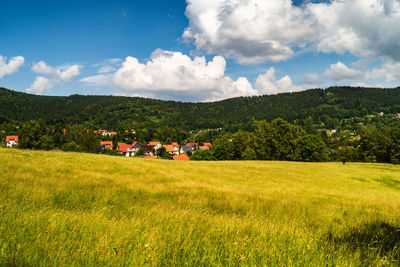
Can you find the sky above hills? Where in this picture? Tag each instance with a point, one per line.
(197, 50)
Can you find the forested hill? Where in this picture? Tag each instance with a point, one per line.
(320, 105)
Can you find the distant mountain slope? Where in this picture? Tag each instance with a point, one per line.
(242, 112)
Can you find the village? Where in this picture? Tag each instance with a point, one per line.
(148, 150)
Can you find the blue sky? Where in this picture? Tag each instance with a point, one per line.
(196, 50)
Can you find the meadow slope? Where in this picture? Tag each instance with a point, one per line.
(61, 208)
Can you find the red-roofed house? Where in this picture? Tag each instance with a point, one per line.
(193, 145)
(106, 144)
(156, 145)
(171, 149)
(181, 157)
(207, 144)
(12, 141)
(175, 144)
(126, 150)
(203, 147)
(112, 133)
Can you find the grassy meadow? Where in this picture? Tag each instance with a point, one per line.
(64, 209)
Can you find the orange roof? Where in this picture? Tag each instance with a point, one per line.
(113, 133)
(154, 143)
(193, 145)
(148, 157)
(175, 144)
(203, 147)
(181, 157)
(169, 148)
(207, 144)
(11, 138)
(104, 143)
(124, 148)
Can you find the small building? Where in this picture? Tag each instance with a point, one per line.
(156, 145)
(175, 144)
(135, 146)
(193, 145)
(126, 150)
(102, 132)
(181, 157)
(148, 150)
(171, 149)
(186, 149)
(12, 140)
(207, 144)
(106, 144)
(204, 147)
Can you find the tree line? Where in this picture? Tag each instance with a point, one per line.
(281, 140)
(275, 140)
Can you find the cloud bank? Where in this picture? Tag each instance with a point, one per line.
(174, 75)
(255, 31)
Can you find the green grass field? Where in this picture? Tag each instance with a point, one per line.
(81, 209)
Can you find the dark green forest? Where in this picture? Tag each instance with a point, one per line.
(339, 123)
(310, 109)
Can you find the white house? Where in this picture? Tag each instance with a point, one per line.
(12, 141)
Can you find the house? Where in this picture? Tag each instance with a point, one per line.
(181, 157)
(176, 147)
(171, 149)
(148, 150)
(207, 144)
(102, 132)
(12, 141)
(175, 144)
(112, 133)
(126, 150)
(155, 144)
(106, 144)
(186, 149)
(204, 147)
(135, 146)
(193, 145)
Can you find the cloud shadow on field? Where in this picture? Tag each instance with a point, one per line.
(371, 240)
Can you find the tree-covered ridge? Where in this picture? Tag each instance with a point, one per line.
(323, 107)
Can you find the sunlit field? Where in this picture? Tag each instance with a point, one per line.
(61, 208)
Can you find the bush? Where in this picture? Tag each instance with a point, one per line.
(71, 146)
(202, 155)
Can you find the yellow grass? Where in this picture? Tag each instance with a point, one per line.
(81, 209)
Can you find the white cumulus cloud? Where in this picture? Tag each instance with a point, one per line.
(53, 76)
(253, 31)
(12, 66)
(63, 73)
(267, 83)
(40, 85)
(340, 71)
(174, 75)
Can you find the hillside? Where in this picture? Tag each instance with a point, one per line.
(322, 106)
(81, 209)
